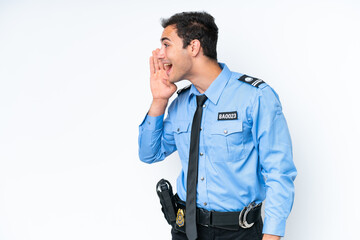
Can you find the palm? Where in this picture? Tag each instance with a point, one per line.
(160, 86)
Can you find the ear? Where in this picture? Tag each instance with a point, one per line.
(194, 47)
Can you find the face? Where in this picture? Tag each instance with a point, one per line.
(176, 59)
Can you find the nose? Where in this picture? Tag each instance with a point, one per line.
(161, 53)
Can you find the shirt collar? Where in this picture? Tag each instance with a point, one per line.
(217, 86)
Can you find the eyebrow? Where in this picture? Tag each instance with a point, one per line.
(164, 38)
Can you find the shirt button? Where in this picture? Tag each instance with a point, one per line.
(205, 203)
(225, 131)
(204, 105)
(202, 178)
(178, 129)
(201, 154)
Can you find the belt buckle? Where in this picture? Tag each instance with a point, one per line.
(243, 214)
(208, 216)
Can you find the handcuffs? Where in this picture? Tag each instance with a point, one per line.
(243, 214)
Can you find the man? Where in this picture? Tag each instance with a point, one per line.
(230, 133)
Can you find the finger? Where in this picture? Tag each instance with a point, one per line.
(156, 62)
(157, 51)
(161, 64)
(152, 67)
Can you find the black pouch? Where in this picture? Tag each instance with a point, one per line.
(165, 193)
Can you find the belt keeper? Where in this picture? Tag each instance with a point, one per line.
(211, 218)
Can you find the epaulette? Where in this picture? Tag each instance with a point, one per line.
(251, 80)
(183, 89)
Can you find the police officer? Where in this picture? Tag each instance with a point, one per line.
(230, 133)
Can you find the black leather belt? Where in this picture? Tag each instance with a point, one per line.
(226, 220)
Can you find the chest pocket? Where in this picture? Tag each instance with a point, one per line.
(181, 127)
(181, 132)
(226, 141)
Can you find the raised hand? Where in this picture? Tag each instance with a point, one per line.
(160, 86)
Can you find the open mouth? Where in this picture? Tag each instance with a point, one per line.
(168, 68)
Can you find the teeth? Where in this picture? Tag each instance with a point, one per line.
(167, 64)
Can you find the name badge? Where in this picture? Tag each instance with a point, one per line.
(227, 115)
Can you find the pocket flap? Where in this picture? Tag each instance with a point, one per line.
(181, 127)
(226, 128)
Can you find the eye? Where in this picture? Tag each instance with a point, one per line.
(166, 45)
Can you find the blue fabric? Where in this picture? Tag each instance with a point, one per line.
(240, 161)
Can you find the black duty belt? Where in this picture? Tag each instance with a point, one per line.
(226, 220)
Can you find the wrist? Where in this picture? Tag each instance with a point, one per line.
(158, 107)
(160, 101)
(270, 237)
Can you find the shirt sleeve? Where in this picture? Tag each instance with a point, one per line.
(273, 141)
(156, 139)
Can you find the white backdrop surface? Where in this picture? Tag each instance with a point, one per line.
(74, 86)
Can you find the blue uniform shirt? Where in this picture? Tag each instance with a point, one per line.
(241, 160)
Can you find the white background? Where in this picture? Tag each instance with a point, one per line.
(74, 86)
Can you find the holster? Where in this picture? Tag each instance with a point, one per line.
(168, 207)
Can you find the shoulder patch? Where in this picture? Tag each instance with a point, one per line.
(184, 89)
(251, 80)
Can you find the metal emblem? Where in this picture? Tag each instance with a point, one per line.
(248, 79)
(180, 219)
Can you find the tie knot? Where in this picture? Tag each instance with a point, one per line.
(200, 99)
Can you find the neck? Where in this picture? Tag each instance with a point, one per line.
(203, 74)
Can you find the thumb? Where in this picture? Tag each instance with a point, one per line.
(166, 82)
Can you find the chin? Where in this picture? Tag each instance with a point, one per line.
(174, 80)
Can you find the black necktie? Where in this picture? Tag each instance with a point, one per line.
(192, 174)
